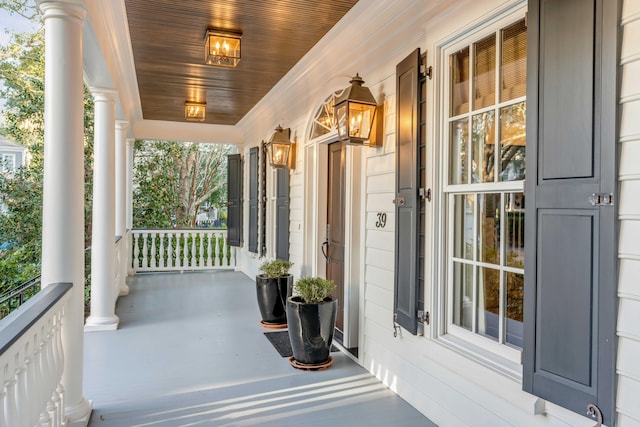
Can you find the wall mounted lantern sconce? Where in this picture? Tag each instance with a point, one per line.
(222, 48)
(355, 112)
(195, 111)
(281, 150)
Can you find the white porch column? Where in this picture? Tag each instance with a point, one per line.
(103, 291)
(121, 204)
(63, 192)
(129, 205)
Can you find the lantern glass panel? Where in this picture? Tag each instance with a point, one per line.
(360, 120)
(280, 155)
(342, 121)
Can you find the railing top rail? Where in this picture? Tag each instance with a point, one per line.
(17, 323)
(18, 290)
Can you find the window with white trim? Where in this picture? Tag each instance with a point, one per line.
(484, 126)
(8, 162)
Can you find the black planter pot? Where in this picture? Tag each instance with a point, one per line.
(272, 295)
(311, 329)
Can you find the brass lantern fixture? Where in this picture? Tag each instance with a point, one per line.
(222, 48)
(354, 112)
(195, 111)
(281, 150)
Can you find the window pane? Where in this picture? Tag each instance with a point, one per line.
(488, 302)
(462, 295)
(483, 162)
(515, 296)
(484, 73)
(459, 134)
(463, 226)
(513, 140)
(514, 61)
(489, 228)
(514, 211)
(459, 69)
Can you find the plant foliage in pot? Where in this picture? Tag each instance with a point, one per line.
(273, 287)
(312, 319)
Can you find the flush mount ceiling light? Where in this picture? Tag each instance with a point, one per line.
(222, 48)
(195, 111)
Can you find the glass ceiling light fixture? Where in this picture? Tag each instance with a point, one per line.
(281, 150)
(222, 48)
(354, 112)
(195, 111)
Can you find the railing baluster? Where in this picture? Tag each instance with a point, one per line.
(185, 250)
(201, 236)
(10, 389)
(145, 260)
(208, 235)
(136, 252)
(161, 250)
(193, 248)
(169, 250)
(178, 258)
(152, 255)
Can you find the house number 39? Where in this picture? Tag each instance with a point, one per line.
(382, 220)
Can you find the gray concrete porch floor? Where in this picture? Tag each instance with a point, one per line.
(190, 352)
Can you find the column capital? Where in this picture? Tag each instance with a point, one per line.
(122, 125)
(101, 94)
(71, 9)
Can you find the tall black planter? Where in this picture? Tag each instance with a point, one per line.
(272, 295)
(311, 329)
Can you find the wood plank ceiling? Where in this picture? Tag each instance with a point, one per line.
(167, 38)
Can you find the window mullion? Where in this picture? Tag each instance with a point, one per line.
(472, 55)
(474, 306)
(503, 294)
(497, 123)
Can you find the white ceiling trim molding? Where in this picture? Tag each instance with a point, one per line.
(187, 132)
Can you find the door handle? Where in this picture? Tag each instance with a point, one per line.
(325, 244)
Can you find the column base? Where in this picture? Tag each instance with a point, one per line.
(79, 415)
(94, 323)
(124, 291)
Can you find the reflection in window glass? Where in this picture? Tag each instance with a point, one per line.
(484, 73)
(488, 302)
(459, 135)
(484, 147)
(514, 211)
(489, 228)
(463, 226)
(513, 140)
(514, 307)
(459, 68)
(463, 295)
(514, 61)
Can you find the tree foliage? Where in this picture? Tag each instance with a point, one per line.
(172, 180)
(22, 75)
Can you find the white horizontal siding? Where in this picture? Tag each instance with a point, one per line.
(628, 328)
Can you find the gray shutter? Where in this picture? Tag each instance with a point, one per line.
(234, 199)
(406, 258)
(282, 214)
(570, 270)
(253, 200)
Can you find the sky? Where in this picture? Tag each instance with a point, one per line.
(12, 23)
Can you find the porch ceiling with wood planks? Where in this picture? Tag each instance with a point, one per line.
(167, 39)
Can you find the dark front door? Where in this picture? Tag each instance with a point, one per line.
(335, 225)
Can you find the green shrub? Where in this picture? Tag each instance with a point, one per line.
(276, 268)
(314, 289)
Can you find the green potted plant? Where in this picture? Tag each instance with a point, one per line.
(311, 314)
(273, 287)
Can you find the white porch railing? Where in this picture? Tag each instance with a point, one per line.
(32, 361)
(181, 250)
